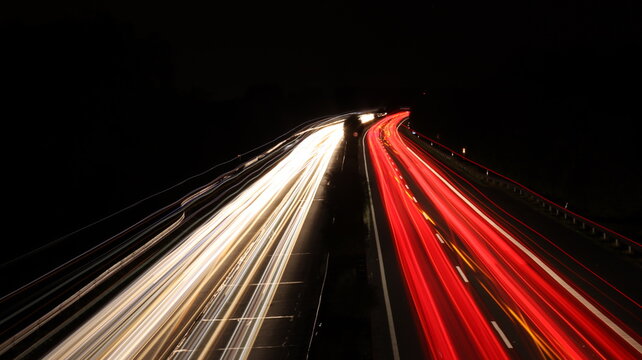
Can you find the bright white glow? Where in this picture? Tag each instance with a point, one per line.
(366, 118)
(197, 286)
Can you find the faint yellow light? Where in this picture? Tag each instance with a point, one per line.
(427, 217)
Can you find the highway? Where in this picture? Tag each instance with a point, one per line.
(221, 264)
(237, 267)
(480, 282)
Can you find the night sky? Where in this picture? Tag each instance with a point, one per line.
(105, 103)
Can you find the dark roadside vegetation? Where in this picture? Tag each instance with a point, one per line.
(546, 95)
(576, 149)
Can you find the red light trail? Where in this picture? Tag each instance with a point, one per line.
(556, 318)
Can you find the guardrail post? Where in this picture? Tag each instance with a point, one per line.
(629, 250)
(592, 231)
(617, 242)
(583, 225)
(573, 221)
(604, 235)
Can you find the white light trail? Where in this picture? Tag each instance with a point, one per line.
(149, 317)
(364, 118)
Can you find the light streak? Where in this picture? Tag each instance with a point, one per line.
(211, 269)
(561, 321)
(365, 118)
(445, 309)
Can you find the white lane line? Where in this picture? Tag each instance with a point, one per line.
(406, 185)
(386, 297)
(265, 283)
(441, 240)
(463, 276)
(502, 335)
(253, 318)
(608, 322)
(253, 347)
(316, 316)
(414, 199)
(276, 283)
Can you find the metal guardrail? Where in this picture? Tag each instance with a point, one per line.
(487, 175)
